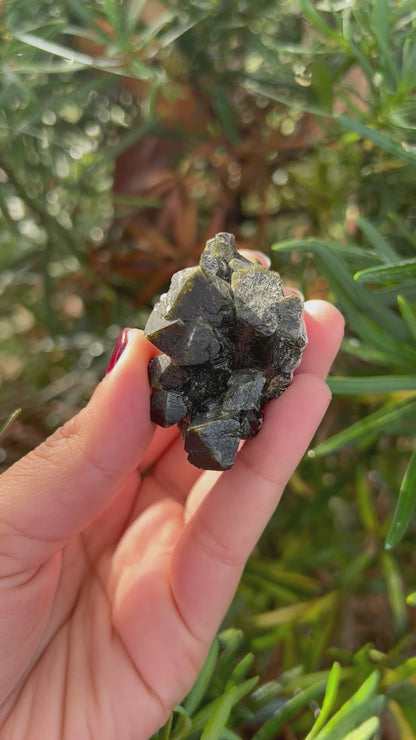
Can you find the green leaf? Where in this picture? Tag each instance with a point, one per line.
(183, 725)
(241, 670)
(115, 18)
(56, 49)
(219, 709)
(365, 506)
(48, 68)
(372, 384)
(322, 83)
(355, 348)
(273, 572)
(405, 505)
(197, 693)
(356, 51)
(7, 424)
(382, 34)
(357, 302)
(397, 272)
(85, 15)
(329, 700)
(230, 641)
(395, 592)
(366, 731)
(385, 417)
(134, 11)
(407, 80)
(164, 732)
(411, 599)
(400, 673)
(400, 150)
(219, 715)
(72, 56)
(317, 20)
(306, 611)
(271, 728)
(360, 707)
(384, 250)
(408, 312)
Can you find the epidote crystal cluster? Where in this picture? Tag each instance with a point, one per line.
(230, 341)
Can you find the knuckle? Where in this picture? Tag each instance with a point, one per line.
(63, 442)
(212, 547)
(67, 446)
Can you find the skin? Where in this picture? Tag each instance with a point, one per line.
(113, 583)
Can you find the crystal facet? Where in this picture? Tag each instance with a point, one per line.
(230, 341)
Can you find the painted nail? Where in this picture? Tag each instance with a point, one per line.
(118, 350)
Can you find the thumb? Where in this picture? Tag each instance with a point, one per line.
(62, 485)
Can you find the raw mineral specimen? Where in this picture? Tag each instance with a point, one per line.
(230, 341)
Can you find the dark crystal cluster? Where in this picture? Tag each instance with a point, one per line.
(230, 341)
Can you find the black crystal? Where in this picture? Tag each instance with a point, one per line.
(230, 341)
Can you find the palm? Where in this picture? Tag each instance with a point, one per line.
(104, 637)
(102, 631)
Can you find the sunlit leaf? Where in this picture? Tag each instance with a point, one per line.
(372, 384)
(389, 417)
(359, 305)
(411, 599)
(366, 731)
(7, 424)
(328, 702)
(363, 705)
(219, 715)
(380, 244)
(405, 270)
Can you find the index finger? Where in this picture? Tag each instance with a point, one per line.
(219, 536)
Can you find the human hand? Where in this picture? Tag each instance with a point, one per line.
(113, 582)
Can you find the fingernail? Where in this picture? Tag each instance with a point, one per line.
(264, 259)
(255, 255)
(118, 350)
(288, 290)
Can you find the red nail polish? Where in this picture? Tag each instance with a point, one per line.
(118, 350)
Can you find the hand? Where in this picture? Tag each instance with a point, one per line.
(114, 582)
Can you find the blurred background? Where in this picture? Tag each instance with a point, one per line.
(130, 132)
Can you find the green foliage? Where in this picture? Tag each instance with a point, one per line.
(276, 703)
(9, 421)
(311, 108)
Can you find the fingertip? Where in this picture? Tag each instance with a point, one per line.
(130, 340)
(291, 290)
(326, 313)
(255, 256)
(120, 406)
(325, 329)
